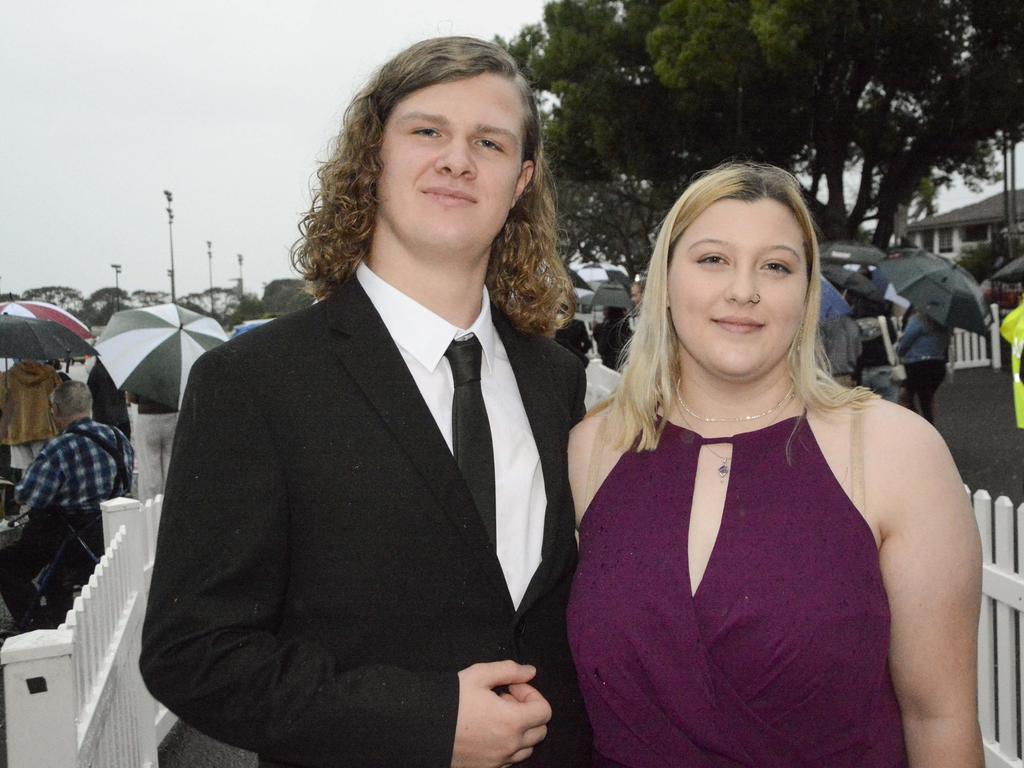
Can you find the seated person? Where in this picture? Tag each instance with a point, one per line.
(87, 463)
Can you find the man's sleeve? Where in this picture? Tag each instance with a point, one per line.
(222, 581)
(40, 483)
(579, 401)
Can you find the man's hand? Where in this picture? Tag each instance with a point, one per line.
(498, 729)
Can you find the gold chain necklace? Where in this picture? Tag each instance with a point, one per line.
(769, 412)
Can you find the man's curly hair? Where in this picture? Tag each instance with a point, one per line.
(525, 277)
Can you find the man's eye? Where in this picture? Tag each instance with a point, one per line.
(488, 144)
(426, 132)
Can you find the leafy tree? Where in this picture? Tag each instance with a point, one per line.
(150, 298)
(608, 221)
(249, 307)
(882, 92)
(286, 295)
(101, 304)
(66, 298)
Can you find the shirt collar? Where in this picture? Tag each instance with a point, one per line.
(420, 332)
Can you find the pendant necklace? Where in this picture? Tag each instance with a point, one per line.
(723, 470)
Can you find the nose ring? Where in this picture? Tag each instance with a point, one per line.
(756, 298)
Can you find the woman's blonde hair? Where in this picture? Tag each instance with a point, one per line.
(525, 277)
(652, 372)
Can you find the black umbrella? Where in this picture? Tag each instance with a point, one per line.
(31, 339)
(854, 282)
(849, 252)
(1012, 272)
(611, 295)
(944, 291)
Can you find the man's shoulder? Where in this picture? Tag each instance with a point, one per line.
(287, 334)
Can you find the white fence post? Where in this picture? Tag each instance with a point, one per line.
(74, 695)
(39, 700)
(995, 338)
(986, 641)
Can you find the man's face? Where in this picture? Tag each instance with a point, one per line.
(636, 294)
(452, 169)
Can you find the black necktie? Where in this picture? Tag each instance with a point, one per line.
(471, 434)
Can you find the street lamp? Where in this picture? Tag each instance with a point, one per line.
(170, 232)
(240, 292)
(209, 256)
(117, 286)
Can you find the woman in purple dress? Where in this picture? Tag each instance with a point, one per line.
(767, 577)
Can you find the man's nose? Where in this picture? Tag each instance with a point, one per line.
(456, 158)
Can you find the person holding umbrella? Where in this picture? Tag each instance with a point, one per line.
(924, 350)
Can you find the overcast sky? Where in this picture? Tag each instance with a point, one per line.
(230, 105)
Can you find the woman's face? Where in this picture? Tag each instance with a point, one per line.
(737, 284)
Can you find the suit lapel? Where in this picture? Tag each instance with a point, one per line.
(361, 341)
(547, 417)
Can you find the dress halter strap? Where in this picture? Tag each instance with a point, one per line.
(857, 457)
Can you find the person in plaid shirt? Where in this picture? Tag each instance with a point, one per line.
(86, 464)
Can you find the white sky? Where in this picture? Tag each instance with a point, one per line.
(228, 104)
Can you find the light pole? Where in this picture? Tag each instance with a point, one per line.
(117, 286)
(240, 291)
(209, 256)
(170, 232)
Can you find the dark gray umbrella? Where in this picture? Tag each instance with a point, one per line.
(854, 282)
(945, 292)
(1011, 273)
(611, 295)
(849, 252)
(32, 339)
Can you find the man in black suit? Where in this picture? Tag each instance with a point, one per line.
(367, 537)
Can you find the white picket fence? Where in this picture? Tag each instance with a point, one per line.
(969, 350)
(74, 697)
(1000, 672)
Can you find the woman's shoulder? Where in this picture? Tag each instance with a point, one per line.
(592, 455)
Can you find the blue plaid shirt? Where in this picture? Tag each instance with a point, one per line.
(74, 473)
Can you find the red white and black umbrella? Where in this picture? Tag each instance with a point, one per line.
(42, 310)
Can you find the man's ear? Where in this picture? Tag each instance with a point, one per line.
(525, 174)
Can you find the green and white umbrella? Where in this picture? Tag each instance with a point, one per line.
(150, 351)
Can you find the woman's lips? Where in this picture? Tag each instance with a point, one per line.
(738, 325)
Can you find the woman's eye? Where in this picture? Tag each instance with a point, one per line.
(710, 258)
(779, 267)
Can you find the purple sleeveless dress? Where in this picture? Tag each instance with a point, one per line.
(779, 660)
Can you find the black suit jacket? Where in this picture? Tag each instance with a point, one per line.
(322, 573)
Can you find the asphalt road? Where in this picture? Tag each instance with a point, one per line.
(974, 413)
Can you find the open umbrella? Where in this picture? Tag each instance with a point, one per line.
(611, 295)
(32, 339)
(577, 281)
(43, 310)
(594, 274)
(849, 252)
(832, 303)
(945, 292)
(1012, 272)
(150, 351)
(854, 282)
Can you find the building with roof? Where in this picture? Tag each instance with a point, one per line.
(950, 234)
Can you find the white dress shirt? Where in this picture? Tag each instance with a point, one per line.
(520, 499)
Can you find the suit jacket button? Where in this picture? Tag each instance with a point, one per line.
(520, 630)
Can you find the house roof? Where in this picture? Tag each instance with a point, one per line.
(988, 211)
